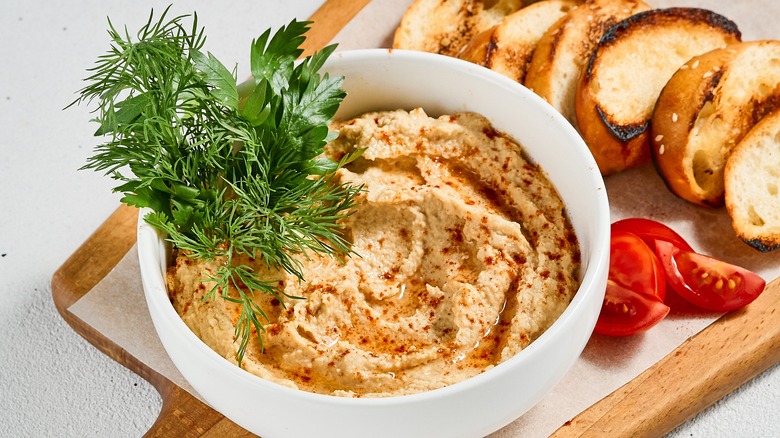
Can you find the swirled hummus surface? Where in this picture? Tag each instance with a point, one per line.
(463, 256)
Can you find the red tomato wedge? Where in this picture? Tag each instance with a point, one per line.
(626, 312)
(633, 265)
(636, 288)
(707, 282)
(650, 231)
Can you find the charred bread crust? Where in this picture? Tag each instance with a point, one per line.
(761, 246)
(618, 135)
(565, 48)
(705, 109)
(660, 16)
(615, 147)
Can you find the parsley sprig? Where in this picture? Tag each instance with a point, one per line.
(227, 169)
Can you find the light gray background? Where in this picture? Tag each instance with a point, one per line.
(52, 382)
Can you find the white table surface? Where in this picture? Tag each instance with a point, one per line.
(52, 382)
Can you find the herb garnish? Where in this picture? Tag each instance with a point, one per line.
(227, 169)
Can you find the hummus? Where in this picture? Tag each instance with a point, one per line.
(464, 256)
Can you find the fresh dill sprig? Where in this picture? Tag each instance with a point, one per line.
(225, 173)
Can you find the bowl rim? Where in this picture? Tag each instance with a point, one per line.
(150, 239)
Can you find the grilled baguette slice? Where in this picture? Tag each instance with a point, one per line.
(705, 109)
(507, 47)
(565, 48)
(446, 26)
(752, 185)
(627, 71)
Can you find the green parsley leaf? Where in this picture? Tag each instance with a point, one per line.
(222, 81)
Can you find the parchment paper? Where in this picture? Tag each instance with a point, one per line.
(116, 307)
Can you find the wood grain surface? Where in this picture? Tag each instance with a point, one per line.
(705, 368)
(709, 365)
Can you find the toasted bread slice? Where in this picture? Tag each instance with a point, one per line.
(627, 71)
(705, 109)
(565, 48)
(507, 47)
(752, 185)
(446, 26)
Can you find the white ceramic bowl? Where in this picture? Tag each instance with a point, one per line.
(381, 79)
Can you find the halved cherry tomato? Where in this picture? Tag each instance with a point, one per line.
(636, 288)
(626, 312)
(650, 231)
(707, 282)
(633, 265)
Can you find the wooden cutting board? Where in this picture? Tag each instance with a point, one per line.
(734, 349)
